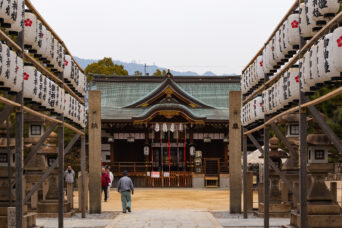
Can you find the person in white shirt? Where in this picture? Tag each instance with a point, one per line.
(111, 177)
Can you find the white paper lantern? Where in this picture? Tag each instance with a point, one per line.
(36, 88)
(30, 31)
(257, 108)
(293, 84)
(320, 62)
(330, 70)
(39, 36)
(278, 50)
(337, 48)
(306, 70)
(40, 88)
(42, 43)
(314, 10)
(67, 68)
(60, 57)
(67, 105)
(11, 12)
(328, 8)
(285, 45)
(5, 9)
(53, 96)
(62, 100)
(293, 30)
(18, 80)
(50, 47)
(18, 14)
(44, 90)
(305, 25)
(30, 73)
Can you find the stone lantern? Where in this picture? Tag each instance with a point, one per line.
(322, 208)
(277, 207)
(49, 206)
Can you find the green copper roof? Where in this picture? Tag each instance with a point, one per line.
(119, 92)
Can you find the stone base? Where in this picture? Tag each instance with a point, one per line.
(197, 180)
(275, 210)
(51, 206)
(224, 180)
(314, 209)
(29, 220)
(55, 215)
(317, 221)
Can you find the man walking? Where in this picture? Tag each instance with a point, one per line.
(69, 177)
(105, 182)
(125, 186)
(111, 177)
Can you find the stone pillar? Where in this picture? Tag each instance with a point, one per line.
(284, 192)
(11, 220)
(70, 194)
(94, 126)
(296, 188)
(333, 190)
(249, 191)
(235, 180)
(79, 184)
(34, 200)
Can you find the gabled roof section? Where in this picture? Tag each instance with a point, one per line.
(169, 110)
(168, 88)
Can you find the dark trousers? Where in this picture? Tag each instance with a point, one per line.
(105, 190)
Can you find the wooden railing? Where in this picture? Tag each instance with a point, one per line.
(132, 167)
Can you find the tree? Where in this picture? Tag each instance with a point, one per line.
(159, 73)
(105, 66)
(138, 73)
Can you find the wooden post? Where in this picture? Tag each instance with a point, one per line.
(249, 191)
(84, 181)
(94, 122)
(235, 183)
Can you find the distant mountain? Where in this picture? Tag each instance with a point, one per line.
(132, 67)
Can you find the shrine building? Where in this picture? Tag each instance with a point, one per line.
(166, 131)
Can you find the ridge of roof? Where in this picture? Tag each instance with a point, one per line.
(160, 90)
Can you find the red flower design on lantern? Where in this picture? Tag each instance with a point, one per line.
(42, 35)
(261, 63)
(297, 78)
(339, 41)
(295, 24)
(261, 104)
(28, 22)
(26, 76)
(66, 63)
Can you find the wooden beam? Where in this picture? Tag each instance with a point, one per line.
(283, 138)
(325, 127)
(51, 168)
(37, 146)
(274, 166)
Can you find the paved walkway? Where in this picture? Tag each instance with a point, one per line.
(165, 219)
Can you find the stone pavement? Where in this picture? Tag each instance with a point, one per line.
(165, 219)
(236, 220)
(91, 220)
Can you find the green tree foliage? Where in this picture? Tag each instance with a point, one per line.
(105, 66)
(159, 73)
(138, 73)
(332, 109)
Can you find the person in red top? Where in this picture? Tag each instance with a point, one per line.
(105, 180)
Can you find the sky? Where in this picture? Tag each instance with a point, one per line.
(196, 35)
